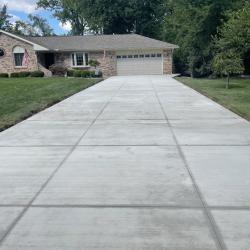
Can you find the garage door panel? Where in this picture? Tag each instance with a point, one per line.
(140, 66)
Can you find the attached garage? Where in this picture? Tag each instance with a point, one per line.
(140, 63)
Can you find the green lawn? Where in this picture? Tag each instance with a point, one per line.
(22, 97)
(237, 98)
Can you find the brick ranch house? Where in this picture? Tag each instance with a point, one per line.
(117, 54)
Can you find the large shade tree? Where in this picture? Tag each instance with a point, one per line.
(109, 17)
(68, 11)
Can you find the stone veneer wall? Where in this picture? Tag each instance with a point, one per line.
(167, 62)
(107, 61)
(7, 61)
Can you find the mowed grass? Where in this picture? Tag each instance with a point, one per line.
(22, 97)
(237, 98)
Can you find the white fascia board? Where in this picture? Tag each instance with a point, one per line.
(36, 47)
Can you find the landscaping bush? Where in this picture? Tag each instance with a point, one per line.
(77, 73)
(14, 74)
(20, 74)
(83, 73)
(24, 74)
(70, 72)
(4, 75)
(94, 63)
(37, 73)
(58, 69)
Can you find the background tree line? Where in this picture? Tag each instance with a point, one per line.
(213, 35)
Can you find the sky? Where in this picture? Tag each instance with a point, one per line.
(20, 9)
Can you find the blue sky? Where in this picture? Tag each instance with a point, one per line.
(20, 9)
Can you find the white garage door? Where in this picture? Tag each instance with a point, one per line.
(140, 64)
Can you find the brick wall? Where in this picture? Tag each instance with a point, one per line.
(167, 62)
(7, 61)
(107, 61)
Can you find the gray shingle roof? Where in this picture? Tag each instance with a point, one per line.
(100, 42)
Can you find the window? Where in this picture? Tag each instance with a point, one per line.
(147, 55)
(136, 56)
(80, 59)
(18, 53)
(118, 57)
(141, 56)
(153, 55)
(159, 55)
(130, 56)
(124, 56)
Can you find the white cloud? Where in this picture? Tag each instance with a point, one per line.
(66, 26)
(27, 6)
(14, 18)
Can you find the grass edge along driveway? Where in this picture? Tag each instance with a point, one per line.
(236, 99)
(20, 98)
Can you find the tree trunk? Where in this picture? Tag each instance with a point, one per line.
(228, 79)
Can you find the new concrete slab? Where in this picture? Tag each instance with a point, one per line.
(111, 228)
(129, 132)
(23, 171)
(222, 173)
(139, 162)
(212, 131)
(235, 228)
(140, 175)
(7, 217)
(44, 133)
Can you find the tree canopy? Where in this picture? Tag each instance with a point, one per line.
(36, 26)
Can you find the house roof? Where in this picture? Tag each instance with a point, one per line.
(100, 42)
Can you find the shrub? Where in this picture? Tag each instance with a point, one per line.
(37, 73)
(83, 73)
(14, 74)
(4, 75)
(20, 74)
(70, 72)
(77, 73)
(58, 69)
(24, 74)
(94, 63)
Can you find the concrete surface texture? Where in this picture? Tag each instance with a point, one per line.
(132, 163)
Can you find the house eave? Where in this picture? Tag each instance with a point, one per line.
(36, 46)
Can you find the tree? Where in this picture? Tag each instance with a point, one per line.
(71, 11)
(36, 26)
(40, 25)
(235, 33)
(5, 23)
(109, 17)
(192, 24)
(227, 63)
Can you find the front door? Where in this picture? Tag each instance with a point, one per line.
(49, 59)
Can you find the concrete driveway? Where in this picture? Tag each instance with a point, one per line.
(131, 163)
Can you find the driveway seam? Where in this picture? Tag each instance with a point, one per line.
(24, 211)
(212, 224)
